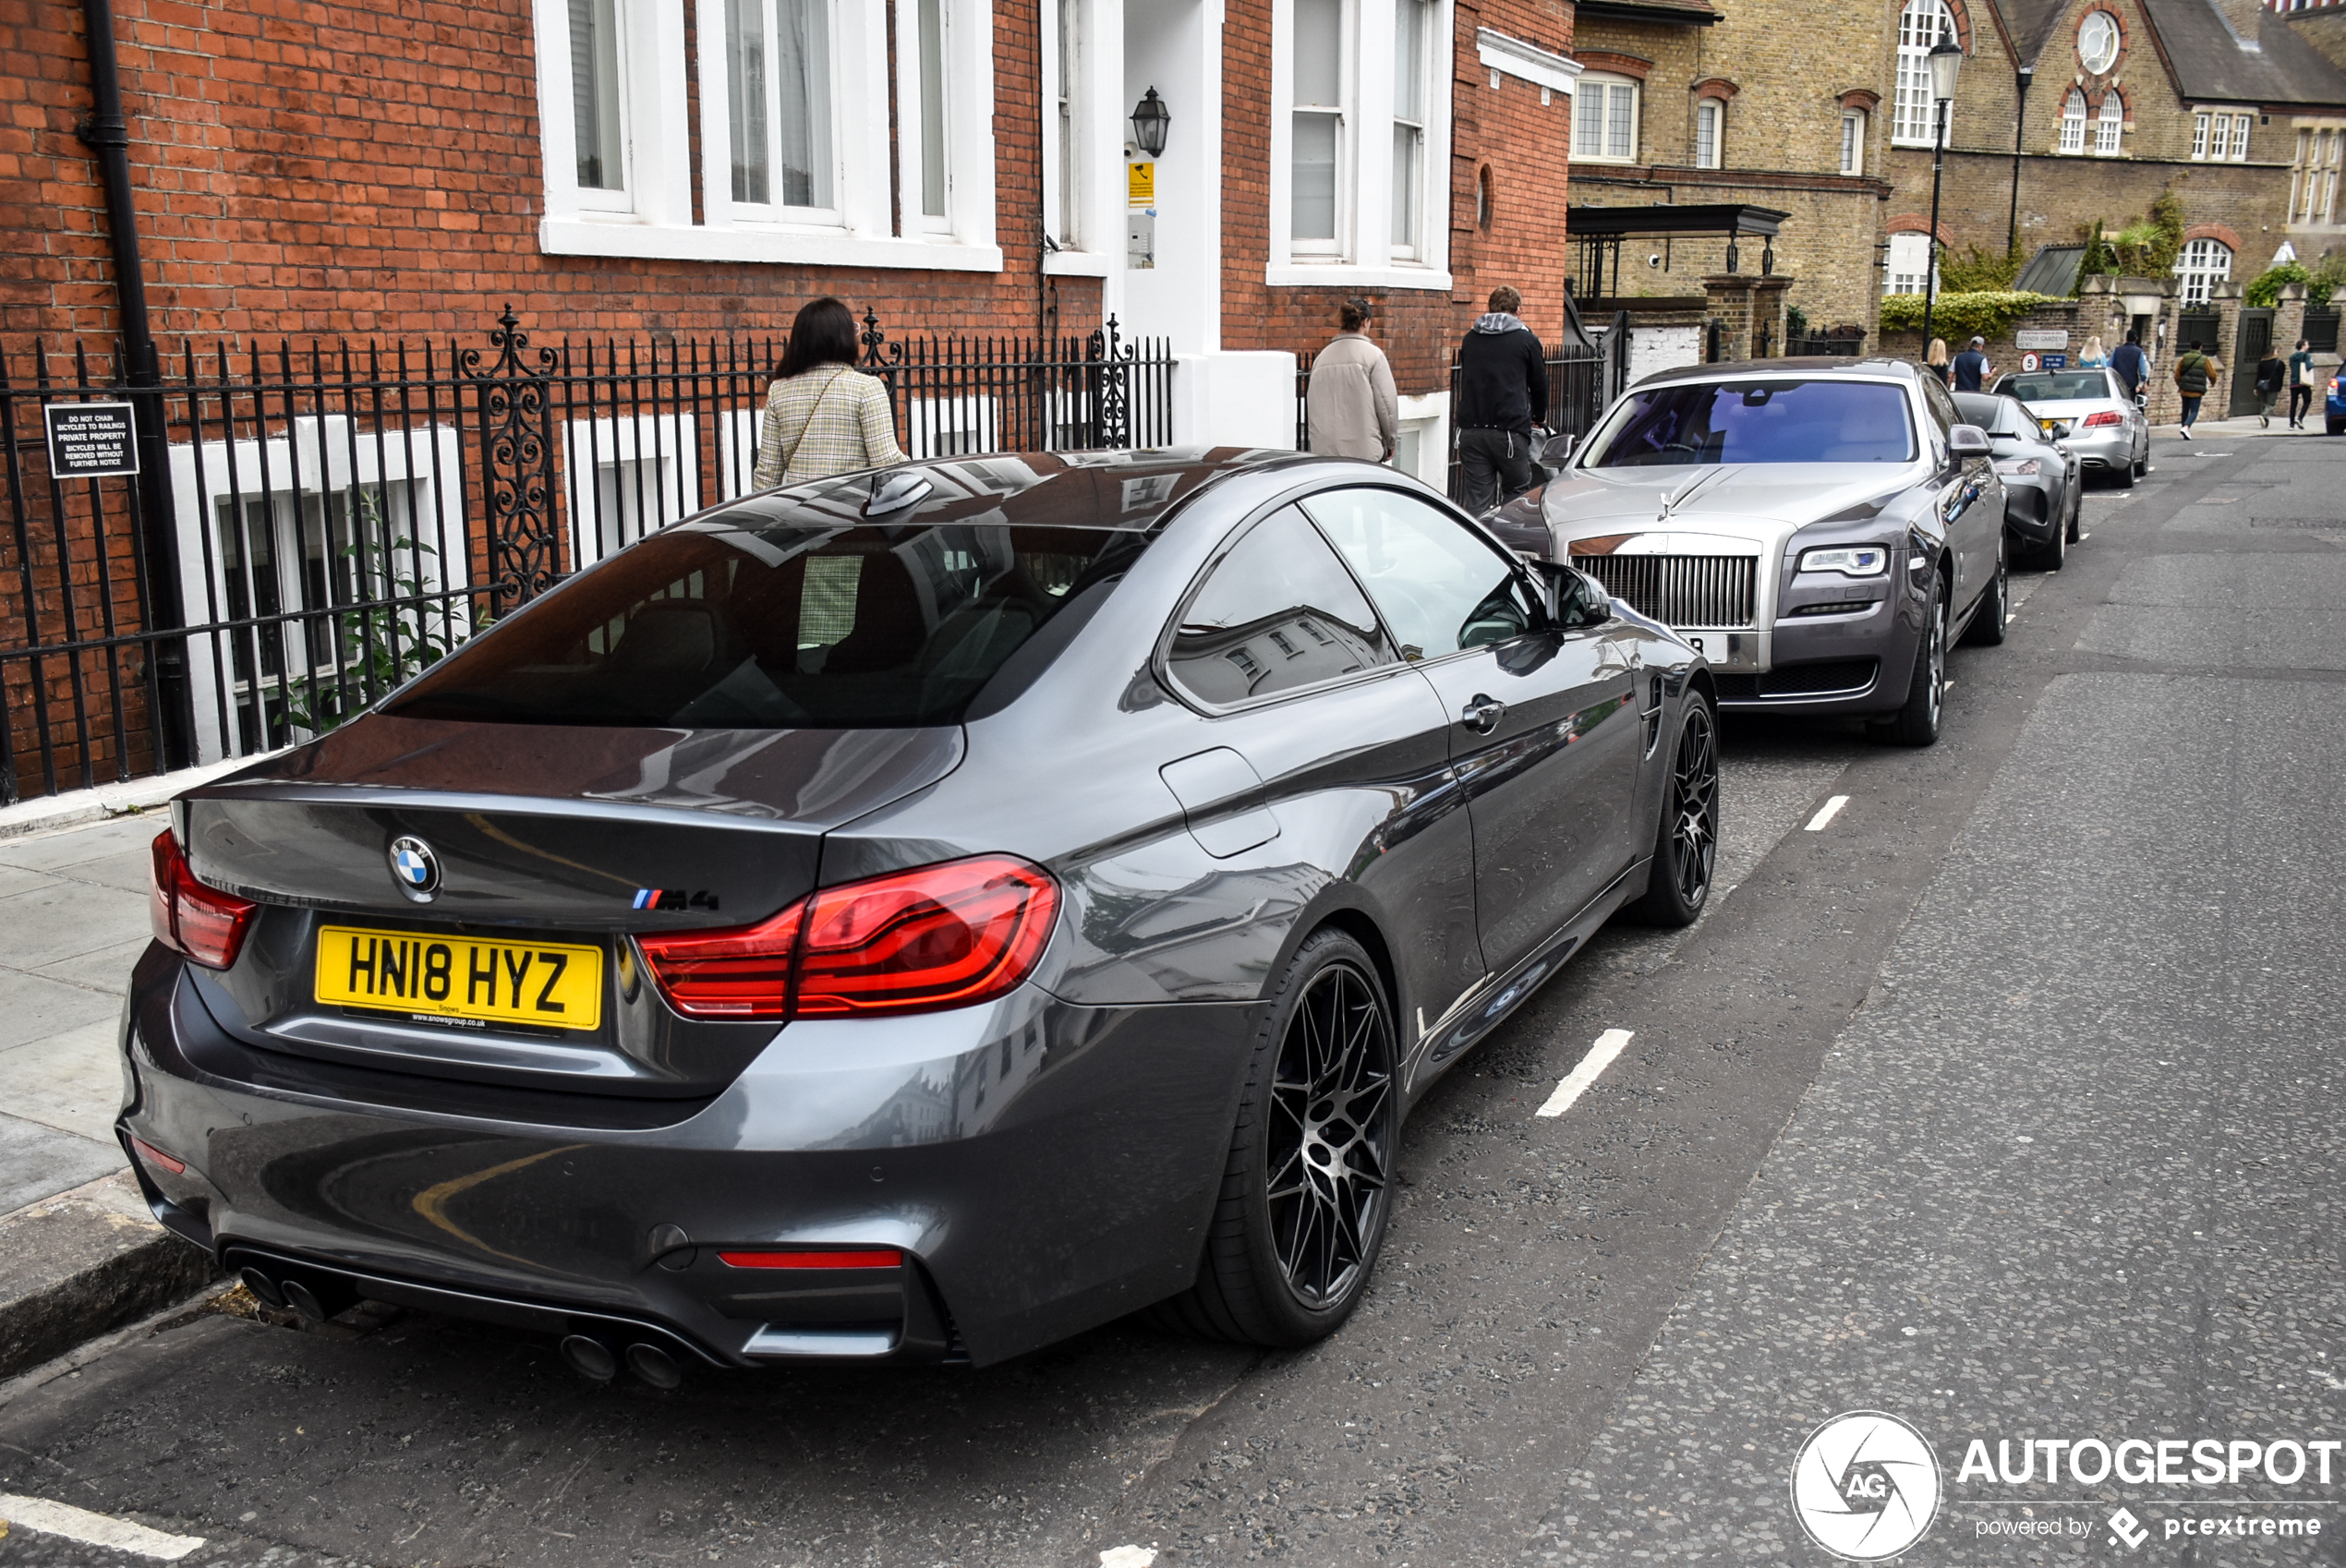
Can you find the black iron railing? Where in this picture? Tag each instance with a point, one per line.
(341, 515)
(2321, 329)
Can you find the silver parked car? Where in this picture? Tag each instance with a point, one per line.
(2090, 412)
(1820, 530)
(2040, 477)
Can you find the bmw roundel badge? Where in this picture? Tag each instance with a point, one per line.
(414, 868)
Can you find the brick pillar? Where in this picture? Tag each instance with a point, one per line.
(2220, 396)
(2288, 321)
(1730, 296)
(1767, 310)
(2165, 403)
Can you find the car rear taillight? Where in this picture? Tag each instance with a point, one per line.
(155, 1156)
(206, 924)
(941, 937)
(2107, 416)
(743, 972)
(827, 1257)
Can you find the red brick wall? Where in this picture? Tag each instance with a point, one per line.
(1525, 144)
(373, 169)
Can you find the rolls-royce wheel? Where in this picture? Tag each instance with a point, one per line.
(2076, 508)
(1307, 1188)
(1917, 724)
(1987, 628)
(1685, 846)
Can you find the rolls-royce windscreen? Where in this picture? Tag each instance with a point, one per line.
(1771, 420)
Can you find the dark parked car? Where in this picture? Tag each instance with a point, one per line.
(2042, 481)
(919, 915)
(1820, 529)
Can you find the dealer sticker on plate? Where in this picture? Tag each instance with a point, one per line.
(548, 984)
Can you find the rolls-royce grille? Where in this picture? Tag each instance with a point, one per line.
(1680, 590)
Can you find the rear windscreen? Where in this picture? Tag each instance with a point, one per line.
(2056, 388)
(832, 628)
(1756, 421)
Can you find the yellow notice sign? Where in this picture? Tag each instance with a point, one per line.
(1141, 181)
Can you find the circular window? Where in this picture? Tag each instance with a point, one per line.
(2097, 42)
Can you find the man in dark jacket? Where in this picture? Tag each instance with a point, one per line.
(1502, 397)
(1971, 368)
(2131, 364)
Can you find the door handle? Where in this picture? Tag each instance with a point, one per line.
(1482, 713)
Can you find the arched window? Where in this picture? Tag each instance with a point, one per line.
(1910, 264)
(1911, 119)
(2073, 123)
(2203, 265)
(2111, 125)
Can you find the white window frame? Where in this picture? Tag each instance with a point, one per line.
(1407, 248)
(2240, 137)
(1091, 236)
(1365, 255)
(2109, 125)
(1346, 113)
(1603, 86)
(2199, 126)
(2220, 136)
(1913, 77)
(656, 221)
(1853, 141)
(2196, 272)
(2073, 123)
(1907, 266)
(1709, 139)
(2117, 42)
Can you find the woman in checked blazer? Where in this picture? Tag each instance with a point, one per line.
(822, 415)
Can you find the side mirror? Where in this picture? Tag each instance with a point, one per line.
(1554, 453)
(1572, 597)
(1968, 441)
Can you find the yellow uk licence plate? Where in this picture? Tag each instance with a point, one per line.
(548, 984)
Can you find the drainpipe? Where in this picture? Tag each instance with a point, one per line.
(2023, 76)
(105, 133)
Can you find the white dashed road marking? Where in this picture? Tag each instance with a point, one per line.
(95, 1530)
(1599, 1058)
(1830, 810)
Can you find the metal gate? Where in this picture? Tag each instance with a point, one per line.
(2255, 339)
(335, 518)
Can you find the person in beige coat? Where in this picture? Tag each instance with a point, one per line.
(1354, 410)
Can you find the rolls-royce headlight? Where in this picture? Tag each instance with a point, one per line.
(1850, 560)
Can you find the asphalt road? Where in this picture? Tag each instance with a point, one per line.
(2004, 1102)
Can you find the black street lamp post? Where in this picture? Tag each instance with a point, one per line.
(1946, 60)
(2022, 79)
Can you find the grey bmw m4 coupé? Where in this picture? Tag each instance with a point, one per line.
(914, 915)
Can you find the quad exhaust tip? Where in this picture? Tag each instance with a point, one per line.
(262, 1285)
(593, 1360)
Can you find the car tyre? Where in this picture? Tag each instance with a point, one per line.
(1987, 628)
(2335, 426)
(1307, 1190)
(2048, 556)
(2125, 474)
(1917, 724)
(2077, 508)
(1685, 844)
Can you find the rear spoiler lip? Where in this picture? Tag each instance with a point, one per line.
(749, 815)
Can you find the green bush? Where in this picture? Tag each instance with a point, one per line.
(1978, 272)
(2263, 290)
(1984, 312)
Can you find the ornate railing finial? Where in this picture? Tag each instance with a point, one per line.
(873, 338)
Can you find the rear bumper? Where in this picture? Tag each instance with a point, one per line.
(2115, 451)
(1041, 1167)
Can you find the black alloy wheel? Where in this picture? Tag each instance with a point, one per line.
(1685, 849)
(1328, 1159)
(1307, 1190)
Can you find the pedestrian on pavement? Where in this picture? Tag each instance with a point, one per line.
(1502, 398)
(1971, 368)
(822, 415)
(2132, 365)
(2095, 356)
(1354, 412)
(2195, 372)
(2301, 383)
(2271, 376)
(1937, 358)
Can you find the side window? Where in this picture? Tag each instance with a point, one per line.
(1278, 612)
(1942, 404)
(1441, 587)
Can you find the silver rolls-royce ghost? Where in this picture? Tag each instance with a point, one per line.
(1820, 530)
